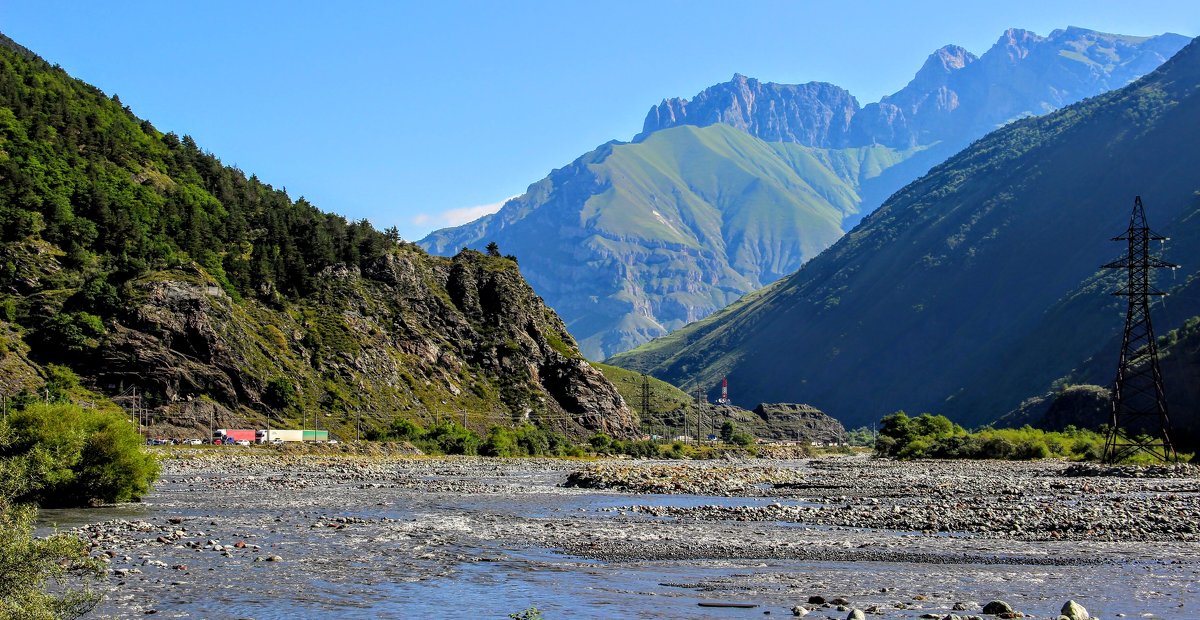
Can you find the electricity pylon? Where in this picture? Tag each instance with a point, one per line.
(1139, 421)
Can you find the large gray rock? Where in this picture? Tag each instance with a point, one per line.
(995, 608)
(1075, 611)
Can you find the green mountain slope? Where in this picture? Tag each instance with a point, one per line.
(632, 241)
(977, 285)
(140, 262)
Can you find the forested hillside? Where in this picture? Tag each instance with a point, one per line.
(135, 259)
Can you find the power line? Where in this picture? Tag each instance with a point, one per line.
(1139, 405)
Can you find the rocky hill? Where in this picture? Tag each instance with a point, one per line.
(977, 285)
(137, 266)
(737, 187)
(797, 422)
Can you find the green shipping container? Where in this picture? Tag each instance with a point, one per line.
(316, 435)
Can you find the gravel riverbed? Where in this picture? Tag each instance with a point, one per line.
(258, 534)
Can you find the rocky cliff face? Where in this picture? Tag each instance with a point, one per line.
(415, 336)
(955, 96)
(814, 114)
(797, 422)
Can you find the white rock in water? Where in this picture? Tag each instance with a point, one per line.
(1075, 611)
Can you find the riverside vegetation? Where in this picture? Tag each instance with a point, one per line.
(60, 455)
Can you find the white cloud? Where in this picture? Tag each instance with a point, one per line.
(462, 215)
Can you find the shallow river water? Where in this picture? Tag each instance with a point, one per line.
(495, 547)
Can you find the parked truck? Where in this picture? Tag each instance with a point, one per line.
(230, 435)
(316, 435)
(278, 434)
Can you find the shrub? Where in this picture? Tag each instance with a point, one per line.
(727, 431)
(524, 440)
(449, 438)
(742, 439)
(405, 430)
(27, 564)
(929, 436)
(280, 394)
(77, 456)
(600, 442)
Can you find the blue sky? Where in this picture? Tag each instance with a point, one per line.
(415, 114)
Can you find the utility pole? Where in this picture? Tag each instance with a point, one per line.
(358, 425)
(645, 398)
(1139, 405)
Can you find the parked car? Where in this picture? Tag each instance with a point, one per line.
(243, 442)
(194, 442)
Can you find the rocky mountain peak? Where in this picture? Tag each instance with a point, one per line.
(948, 58)
(813, 114)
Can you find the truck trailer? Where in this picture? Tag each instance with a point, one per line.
(279, 434)
(274, 435)
(230, 435)
(316, 435)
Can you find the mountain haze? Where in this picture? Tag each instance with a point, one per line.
(738, 186)
(977, 285)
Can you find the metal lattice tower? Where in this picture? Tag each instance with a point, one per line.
(1139, 420)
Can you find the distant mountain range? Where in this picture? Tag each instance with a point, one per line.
(978, 285)
(632, 241)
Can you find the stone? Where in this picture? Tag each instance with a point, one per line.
(1075, 611)
(996, 608)
(816, 599)
(799, 611)
(856, 614)
(965, 606)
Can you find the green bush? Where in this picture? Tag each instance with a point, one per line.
(281, 394)
(524, 440)
(27, 564)
(742, 439)
(601, 443)
(929, 436)
(406, 430)
(77, 456)
(449, 438)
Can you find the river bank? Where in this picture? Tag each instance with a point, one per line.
(262, 534)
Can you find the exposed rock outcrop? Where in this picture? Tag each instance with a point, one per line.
(798, 422)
